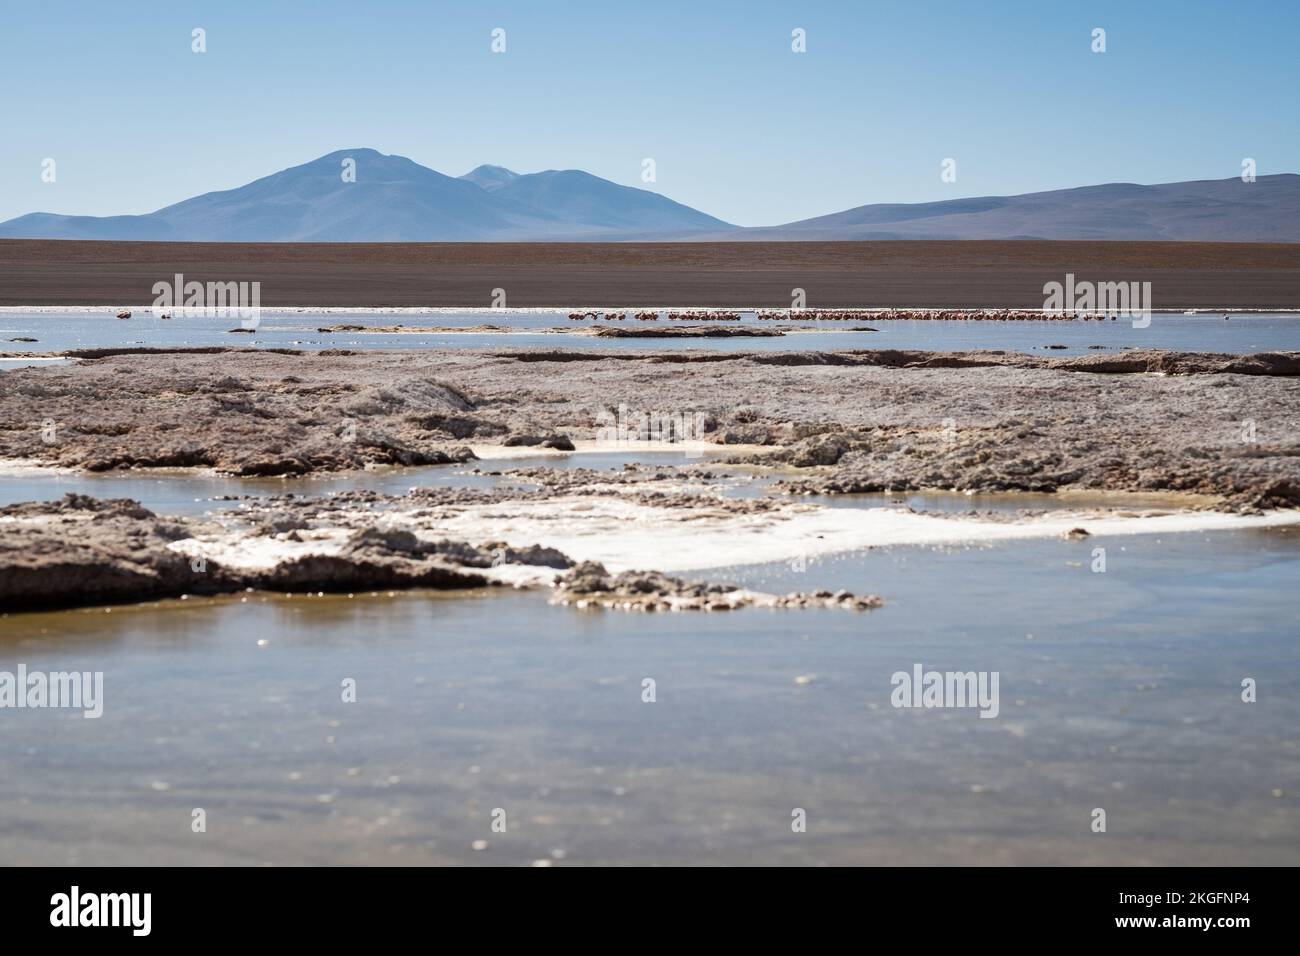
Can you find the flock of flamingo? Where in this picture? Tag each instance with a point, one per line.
(693, 315)
(937, 315)
(846, 315)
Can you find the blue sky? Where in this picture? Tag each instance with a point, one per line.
(738, 125)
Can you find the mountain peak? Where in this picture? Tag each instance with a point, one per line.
(490, 177)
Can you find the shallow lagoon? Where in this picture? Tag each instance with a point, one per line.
(187, 492)
(1119, 690)
(59, 330)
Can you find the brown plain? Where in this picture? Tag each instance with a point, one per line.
(973, 274)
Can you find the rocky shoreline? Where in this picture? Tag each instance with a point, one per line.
(83, 551)
(1215, 432)
(590, 585)
(1221, 426)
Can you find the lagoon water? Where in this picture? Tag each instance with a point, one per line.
(1118, 690)
(187, 492)
(57, 331)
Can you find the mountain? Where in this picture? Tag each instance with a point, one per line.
(396, 200)
(1216, 210)
(596, 203)
(490, 177)
(393, 200)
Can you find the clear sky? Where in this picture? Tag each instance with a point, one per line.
(738, 124)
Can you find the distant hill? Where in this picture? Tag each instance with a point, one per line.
(1215, 210)
(393, 200)
(397, 200)
(490, 177)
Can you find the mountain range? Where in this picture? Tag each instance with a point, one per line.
(1214, 210)
(394, 199)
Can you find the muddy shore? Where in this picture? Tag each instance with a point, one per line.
(1215, 432)
(83, 551)
(1216, 425)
